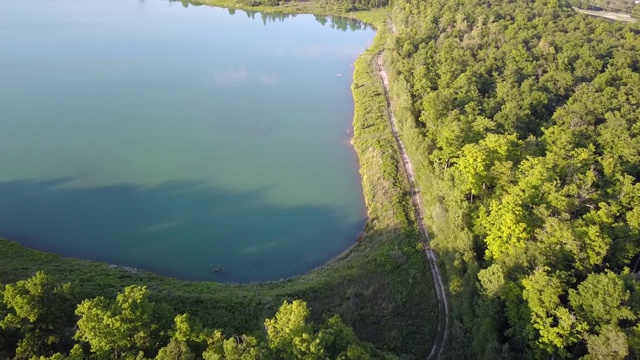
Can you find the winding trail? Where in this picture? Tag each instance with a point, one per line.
(443, 322)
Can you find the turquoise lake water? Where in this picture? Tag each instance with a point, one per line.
(174, 139)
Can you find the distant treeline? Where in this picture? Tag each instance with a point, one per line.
(622, 6)
(335, 22)
(347, 5)
(353, 5)
(524, 120)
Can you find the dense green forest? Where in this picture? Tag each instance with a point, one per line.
(524, 120)
(38, 320)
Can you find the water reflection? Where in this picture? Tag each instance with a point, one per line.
(335, 22)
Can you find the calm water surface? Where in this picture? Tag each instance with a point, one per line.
(174, 139)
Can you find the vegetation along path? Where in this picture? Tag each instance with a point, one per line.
(443, 323)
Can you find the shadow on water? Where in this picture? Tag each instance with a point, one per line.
(182, 229)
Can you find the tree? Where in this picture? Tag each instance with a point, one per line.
(6, 342)
(75, 354)
(176, 350)
(336, 339)
(478, 159)
(39, 311)
(557, 327)
(610, 344)
(600, 300)
(241, 347)
(215, 346)
(492, 280)
(178, 347)
(245, 348)
(289, 334)
(188, 339)
(566, 204)
(506, 226)
(354, 352)
(115, 327)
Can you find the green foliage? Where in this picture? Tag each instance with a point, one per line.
(245, 348)
(346, 5)
(353, 5)
(556, 326)
(601, 300)
(188, 339)
(76, 353)
(623, 6)
(215, 346)
(610, 344)
(117, 327)
(338, 340)
(176, 350)
(124, 328)
(524, 118)
(39, 311)
(290, 336)
(492, 280)
(36, 300)
(480, 162)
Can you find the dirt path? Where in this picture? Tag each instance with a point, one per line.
(443, 323)
(607, 14)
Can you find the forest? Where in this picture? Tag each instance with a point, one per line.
(524, 118)
(42, 319)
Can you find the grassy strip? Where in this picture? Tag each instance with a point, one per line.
(381, 286)
(443, 226)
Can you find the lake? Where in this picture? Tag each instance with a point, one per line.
(177, 139)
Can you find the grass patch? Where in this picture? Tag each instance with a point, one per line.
(381, 286)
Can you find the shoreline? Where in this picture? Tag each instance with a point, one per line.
(339, 242)
(382, 273)
(358, 238)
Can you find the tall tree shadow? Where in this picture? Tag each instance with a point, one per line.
(181, 229)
